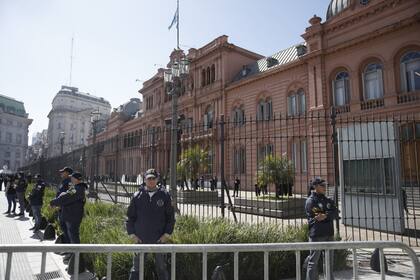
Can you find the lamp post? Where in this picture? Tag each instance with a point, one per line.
(173, 79)
(94, 118)
(62, 134)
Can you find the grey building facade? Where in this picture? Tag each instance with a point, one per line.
(70, 122)
(14, 124)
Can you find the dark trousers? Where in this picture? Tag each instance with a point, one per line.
(21, 198)
(66, 238)
(1, 185)
(73, 232)
(236, 191)
(36, 211)
(161, 267)
(11, 199)
(313, 258)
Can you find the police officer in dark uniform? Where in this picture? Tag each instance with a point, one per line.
(237, 185)
(72, 204)
(150, 220)
(20, 193)
(36, 201)
(321, 212)
(65, 174)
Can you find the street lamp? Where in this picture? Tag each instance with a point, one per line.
(173, 80)
(94, 118)
(62, 134)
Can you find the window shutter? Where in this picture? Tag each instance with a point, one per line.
(289, 106)
(403, 69)
(365, 91)
(380, 83)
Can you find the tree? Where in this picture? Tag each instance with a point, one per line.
(278, 171)
(193, 162)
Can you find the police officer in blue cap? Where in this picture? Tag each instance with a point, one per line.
(72, 204)
(150, 220)
(321, 212)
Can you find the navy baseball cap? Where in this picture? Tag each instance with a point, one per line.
(66, 169)
(77, 175)
(318, 181)
(151, 173)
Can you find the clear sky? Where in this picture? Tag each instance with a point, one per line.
(119, 41)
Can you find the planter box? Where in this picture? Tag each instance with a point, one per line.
(289, 208)
(198, 197)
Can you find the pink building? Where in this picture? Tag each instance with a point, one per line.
(363, 60)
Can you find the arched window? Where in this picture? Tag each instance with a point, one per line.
(203, 78)
(238, 115)
(208, 75)
(373, 82)
(410, 72)
(208, 118)
(296, 103)
(341, 89)
(213, 73)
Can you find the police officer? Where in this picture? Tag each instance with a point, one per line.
(321, 212)
(10, 186)
(72, 204)
(150, 220)
(20, 192)
(36, 201)
(63, 187)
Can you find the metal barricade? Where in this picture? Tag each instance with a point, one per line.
(205, 249)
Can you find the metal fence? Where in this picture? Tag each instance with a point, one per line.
(205, 249)
(371, 162)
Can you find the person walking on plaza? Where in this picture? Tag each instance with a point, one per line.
(36, 201)
(321, 212)
(10, 189)
(236, 186)
(62, 188)
(150, 220)
(20, 193)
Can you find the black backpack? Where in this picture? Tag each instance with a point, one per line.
(49, 233)
(44, 223)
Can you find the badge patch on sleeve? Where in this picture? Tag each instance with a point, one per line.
(160, 203)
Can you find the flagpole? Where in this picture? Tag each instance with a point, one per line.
(177, 25)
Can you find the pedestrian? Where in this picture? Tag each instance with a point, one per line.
(202, 182)
(321, 212)
(237, 185)
(257, 190)
(36, 200)
(65, 174)
(212, 184)
(20, 192)
(150, 220)
(72, 204)
(10, 188)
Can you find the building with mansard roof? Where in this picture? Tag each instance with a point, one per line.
(14, 124)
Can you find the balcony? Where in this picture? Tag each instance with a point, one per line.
(342, 109)
(408, 97)
(372, 104)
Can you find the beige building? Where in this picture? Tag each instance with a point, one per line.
(70, 119)
(14, 124)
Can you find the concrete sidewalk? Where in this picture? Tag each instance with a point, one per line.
(15, 230)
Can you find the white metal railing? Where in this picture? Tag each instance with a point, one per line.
(204, 249)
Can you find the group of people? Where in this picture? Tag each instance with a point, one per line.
(150, 214)
(15, 186)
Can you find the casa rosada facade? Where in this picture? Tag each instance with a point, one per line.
(363, 60)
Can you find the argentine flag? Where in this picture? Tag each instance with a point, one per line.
(175, 19)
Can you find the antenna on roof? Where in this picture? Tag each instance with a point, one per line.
(71, 59)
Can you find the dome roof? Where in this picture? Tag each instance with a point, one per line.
(336, 7)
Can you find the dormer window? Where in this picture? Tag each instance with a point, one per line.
(244, 71)
(271, 61)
